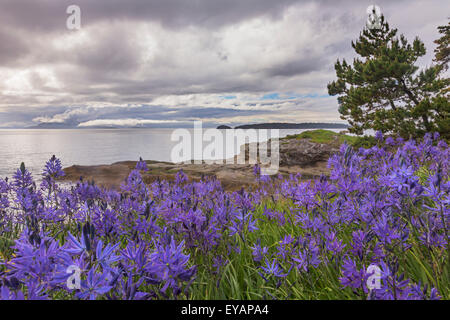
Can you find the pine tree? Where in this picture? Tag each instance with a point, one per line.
(442, 52)
(441, 102)
(384, 89)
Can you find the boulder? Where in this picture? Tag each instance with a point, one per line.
(303, 152)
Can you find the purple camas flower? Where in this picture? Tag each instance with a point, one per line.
(306, 258)
(387, 206)
(134, 257)
(22, 178)
(4, 190)
(385, 231)
(141, 165)
(7, 294)
(168, 263)
(53, 168)
(243, 222)
(259, 252)
(379, 135)
(273, 269)
(285, 247)
(35, 262)
(352, 276)
(105, 256)
(180, 177)
(256, 170)
(95, 285)
(417, 292)
(333, 244)
(77, 247)
(389, 141)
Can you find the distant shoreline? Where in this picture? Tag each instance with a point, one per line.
(268, 125)
(283, 125)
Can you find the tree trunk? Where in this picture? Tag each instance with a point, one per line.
(426, 123)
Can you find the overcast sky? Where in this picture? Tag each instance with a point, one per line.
(169, 62)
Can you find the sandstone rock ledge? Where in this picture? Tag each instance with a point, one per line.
(296, 156)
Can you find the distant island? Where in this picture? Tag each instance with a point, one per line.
(53, 125)
(280, 125)
(273, 125)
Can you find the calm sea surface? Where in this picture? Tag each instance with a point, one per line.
(85, 147)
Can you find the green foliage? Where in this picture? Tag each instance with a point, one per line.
(423, 174)
(384, 90)
(442, 51)
(323, 136)
(364, 142)
(333, 138)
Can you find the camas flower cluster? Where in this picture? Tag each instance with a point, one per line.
(385, 208)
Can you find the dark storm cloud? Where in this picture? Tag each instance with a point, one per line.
(207, 112)
(137, 51)
(48, 15)
(12, 48)
(295, 67)
(119, 54)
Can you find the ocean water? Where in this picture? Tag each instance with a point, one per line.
(87, 146)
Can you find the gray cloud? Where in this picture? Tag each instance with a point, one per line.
(12, 48)
(295, 67)
(48, 15)
(176, 59)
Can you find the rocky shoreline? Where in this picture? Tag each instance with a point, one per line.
(296, 156)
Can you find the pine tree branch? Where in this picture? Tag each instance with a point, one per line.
(392, 105)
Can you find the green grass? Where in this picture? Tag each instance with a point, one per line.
(333, 138)
(324, 136)
(240, 278)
